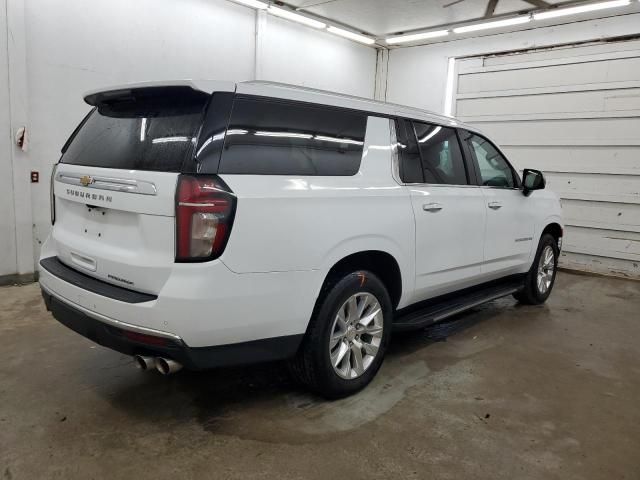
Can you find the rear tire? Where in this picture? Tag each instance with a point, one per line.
(347, 336)
(540, 279)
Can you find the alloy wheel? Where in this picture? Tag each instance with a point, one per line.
(546, 268)
(356, 335)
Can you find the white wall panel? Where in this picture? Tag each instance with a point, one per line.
(305, 56)
(612, 159)
(575, 114)
(587, 103)
(570, 131)
(579, 71)
(604, 243)
(595, 264)
(595, 186)
(7, 221)
(603, 215)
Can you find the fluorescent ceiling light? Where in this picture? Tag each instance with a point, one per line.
(143, 129)
(430, 136)
(289, 15)
(351, 36)
(417, 36)
(261, 133)
(324, 138)
(448, 95)
(497, 24)
(253, 3)
(561, 12)
(172, 139)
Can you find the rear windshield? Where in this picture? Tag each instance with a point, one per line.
(151, 129)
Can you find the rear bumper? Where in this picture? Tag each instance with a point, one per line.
(194, 358)
(202, 304)
(55, 267)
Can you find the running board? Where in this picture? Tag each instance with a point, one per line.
(415, 318)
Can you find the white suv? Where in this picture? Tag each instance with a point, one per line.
(207, 224)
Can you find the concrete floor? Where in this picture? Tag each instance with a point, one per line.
(514, 392)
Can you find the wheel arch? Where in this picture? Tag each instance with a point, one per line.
(554, 229)
(381, 263)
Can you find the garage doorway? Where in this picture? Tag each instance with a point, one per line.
(573, 112)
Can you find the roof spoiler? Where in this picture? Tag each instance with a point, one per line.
(101, 95)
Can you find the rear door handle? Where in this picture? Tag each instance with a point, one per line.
(495, 205)
(432, 207)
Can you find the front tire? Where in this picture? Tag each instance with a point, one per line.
(540, 279)
(347, 336)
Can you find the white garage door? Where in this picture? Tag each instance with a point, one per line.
(573, 112)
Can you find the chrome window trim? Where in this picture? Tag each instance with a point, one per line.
(127, 185)
(442, 185)
(501, 188)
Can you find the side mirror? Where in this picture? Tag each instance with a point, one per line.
(532, 180)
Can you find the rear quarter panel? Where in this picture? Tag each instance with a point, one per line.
(292, 223)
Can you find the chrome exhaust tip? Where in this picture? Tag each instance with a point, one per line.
(145, 363)
(166, 366)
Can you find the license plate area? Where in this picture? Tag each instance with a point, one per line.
(95, 219)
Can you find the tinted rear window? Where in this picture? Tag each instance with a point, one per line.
(270, 137)
(154, 129)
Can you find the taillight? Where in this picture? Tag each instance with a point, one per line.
(52, 197)
(204, 214)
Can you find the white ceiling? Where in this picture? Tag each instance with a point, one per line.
(384, 17)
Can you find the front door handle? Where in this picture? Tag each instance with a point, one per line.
(495, 205)
(432, 207)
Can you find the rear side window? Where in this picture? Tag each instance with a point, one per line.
(148, 129)
(267, 137)
(442, 159)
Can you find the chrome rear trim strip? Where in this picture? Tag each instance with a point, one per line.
(127, 185)
(113, 321)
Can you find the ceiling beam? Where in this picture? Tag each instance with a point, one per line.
(563, 3)
(455, 2)
(313, 4)
(539, 3)
(491, 8)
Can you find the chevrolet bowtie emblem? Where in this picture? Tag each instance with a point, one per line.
(86, 180)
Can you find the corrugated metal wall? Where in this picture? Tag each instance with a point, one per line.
(573, 112)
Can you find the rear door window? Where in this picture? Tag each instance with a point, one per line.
(442, 159)
(270, 137)
(147, 129)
